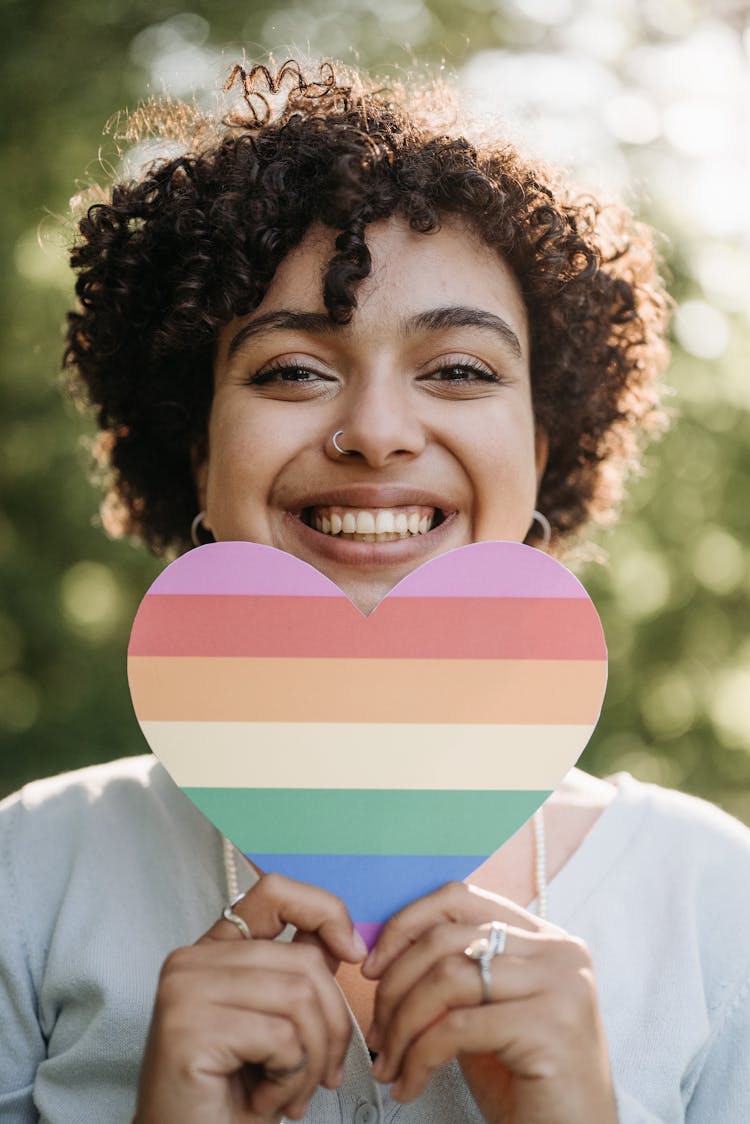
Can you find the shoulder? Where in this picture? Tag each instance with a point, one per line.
(95, 821)
(82, 786)
(70, 803)
(704, 831)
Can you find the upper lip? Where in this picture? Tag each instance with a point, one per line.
(374, 496)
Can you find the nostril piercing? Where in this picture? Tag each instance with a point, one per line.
(337, 447)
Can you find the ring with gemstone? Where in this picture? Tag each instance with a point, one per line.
(484, 950)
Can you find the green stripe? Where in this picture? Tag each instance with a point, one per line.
(366, 821)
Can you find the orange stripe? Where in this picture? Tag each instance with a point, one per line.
(192, 689)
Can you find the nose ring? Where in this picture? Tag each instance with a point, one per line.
(337, 447)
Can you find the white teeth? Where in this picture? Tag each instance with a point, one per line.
(376, 525)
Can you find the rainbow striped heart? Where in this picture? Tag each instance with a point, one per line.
(375, 756)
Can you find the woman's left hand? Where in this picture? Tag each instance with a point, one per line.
(535, 1051)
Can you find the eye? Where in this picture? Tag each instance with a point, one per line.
(284, 372)
(464, 370)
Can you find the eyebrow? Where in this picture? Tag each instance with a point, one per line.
(433, 320)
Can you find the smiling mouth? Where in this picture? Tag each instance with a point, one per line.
(373, 524)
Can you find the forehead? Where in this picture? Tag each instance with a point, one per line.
(410, 273)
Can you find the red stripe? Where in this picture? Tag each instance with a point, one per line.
(404, 628)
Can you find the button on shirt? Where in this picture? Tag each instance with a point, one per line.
(368, 1113)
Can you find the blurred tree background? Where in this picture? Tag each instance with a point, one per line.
(650, 98)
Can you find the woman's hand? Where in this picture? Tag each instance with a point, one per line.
(246, 1030)
(535, 1052)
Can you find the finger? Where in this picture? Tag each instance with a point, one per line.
(234, 1039)
(276, 901)
(332, 962)
(453, 982)
(400, 976)
(504, 1029)
(455, 902)
(274, 976)
(286, 995)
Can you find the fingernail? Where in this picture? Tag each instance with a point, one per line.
(372, 1038)
(359, 945)
(378, 1067)
(369, 963)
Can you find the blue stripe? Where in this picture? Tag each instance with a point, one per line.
(372, 886)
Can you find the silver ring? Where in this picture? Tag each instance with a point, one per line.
(337, 447)
(484, 950)
(229, 915)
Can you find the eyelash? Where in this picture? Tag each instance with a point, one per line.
(278, 367)
(281, 367)
(473, 365)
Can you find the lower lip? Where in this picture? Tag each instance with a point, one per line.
(369, 553)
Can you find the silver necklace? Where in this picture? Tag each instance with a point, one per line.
(540, 866)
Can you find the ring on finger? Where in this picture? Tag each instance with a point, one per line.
(484, 950)
(229, 915)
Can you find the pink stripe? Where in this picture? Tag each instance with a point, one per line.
(471, 628)
(246, 569)
(369, 931)
(491, 569)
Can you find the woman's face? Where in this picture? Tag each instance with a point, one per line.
(429, 386)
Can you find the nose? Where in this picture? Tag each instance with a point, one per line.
(379, 423)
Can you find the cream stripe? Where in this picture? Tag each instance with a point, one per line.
(349, 755)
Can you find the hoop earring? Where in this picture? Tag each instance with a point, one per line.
(196, 526)
(544, 523)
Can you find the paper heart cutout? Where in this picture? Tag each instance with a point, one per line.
(379, 756)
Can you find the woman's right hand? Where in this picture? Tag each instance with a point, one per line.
(246, 1030)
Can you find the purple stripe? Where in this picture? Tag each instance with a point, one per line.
(491, 569)
(488, 569)
(243, 568)
(369, 931)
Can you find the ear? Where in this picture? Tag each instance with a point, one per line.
(541, 452)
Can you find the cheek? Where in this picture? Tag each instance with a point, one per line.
(502, 469)
(239, 463)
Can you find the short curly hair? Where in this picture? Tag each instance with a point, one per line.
(168, 259)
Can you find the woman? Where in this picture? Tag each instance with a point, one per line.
(337, 328)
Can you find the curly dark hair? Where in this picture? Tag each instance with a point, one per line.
(168, 259)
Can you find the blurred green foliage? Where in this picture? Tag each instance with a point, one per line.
(673, 596)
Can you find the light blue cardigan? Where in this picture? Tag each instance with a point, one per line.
(104, 871)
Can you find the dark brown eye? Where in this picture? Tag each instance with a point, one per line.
(463, 372)
(285, 373)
